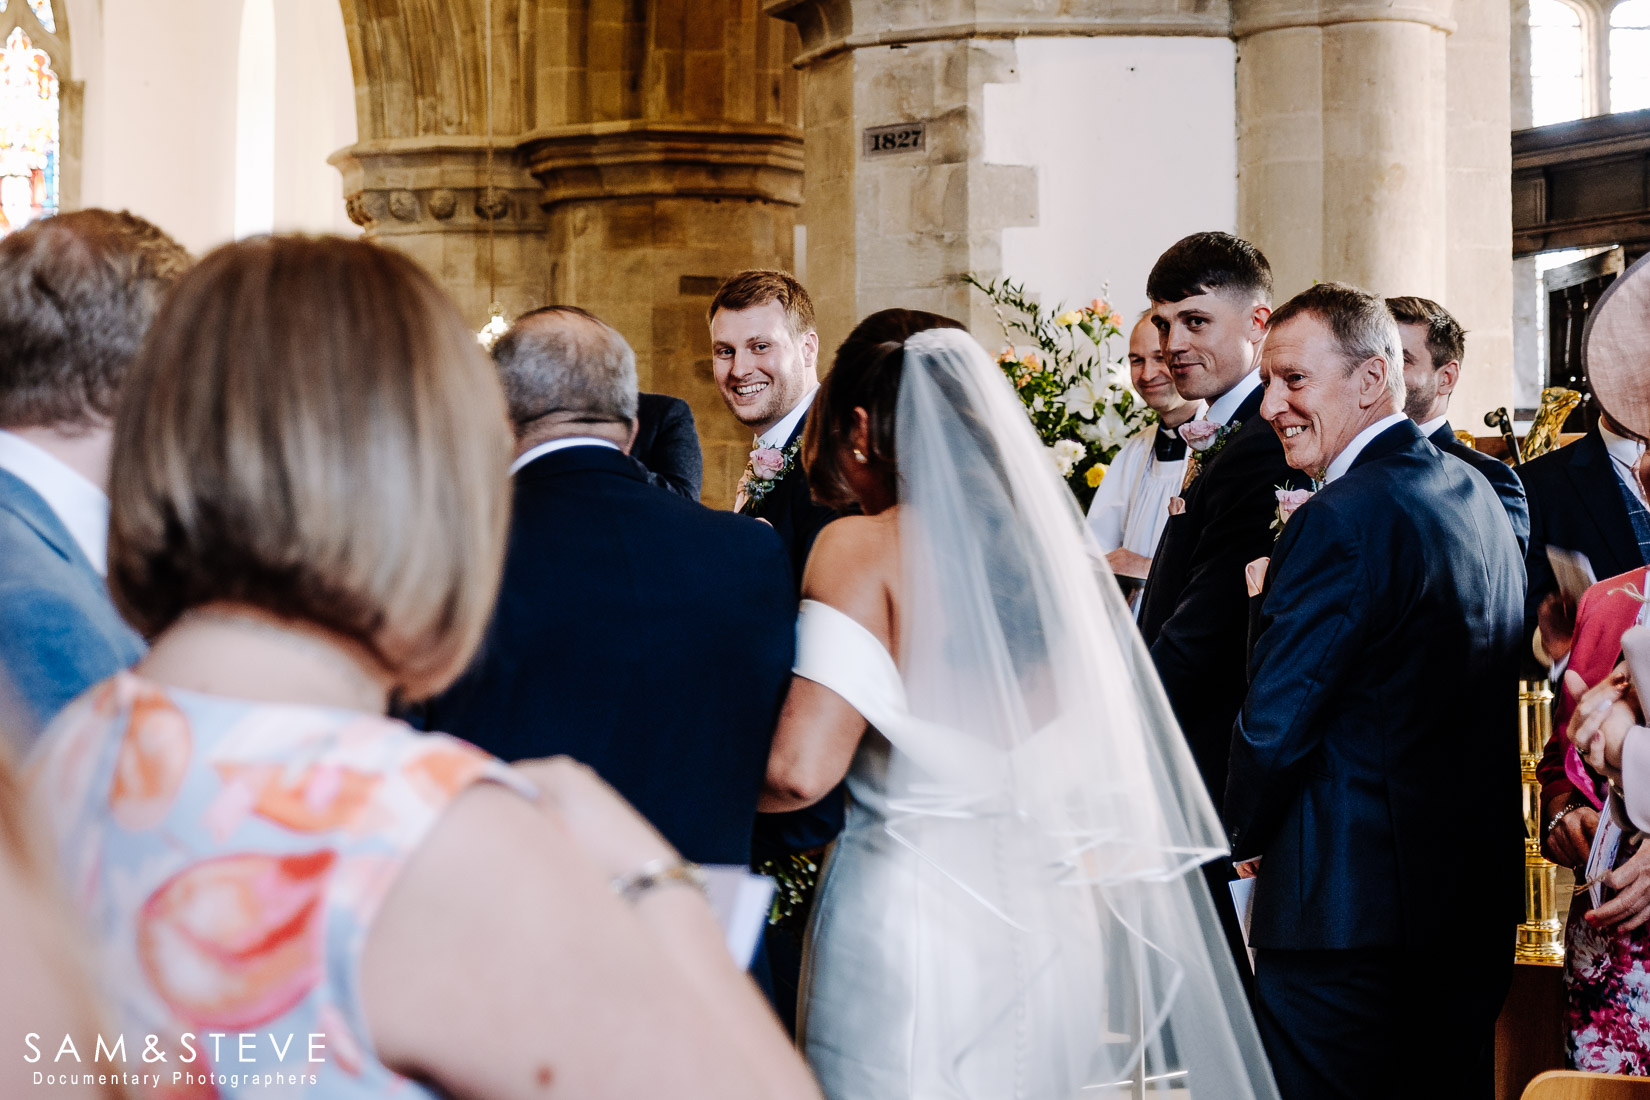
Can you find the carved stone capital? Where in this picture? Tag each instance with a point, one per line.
(641, 159)
(1250, 17)
(390, 187)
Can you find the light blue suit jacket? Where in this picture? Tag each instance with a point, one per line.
(59, 633)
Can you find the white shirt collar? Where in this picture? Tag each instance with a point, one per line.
(1623, 454)
(1222, 407)
(81, 506)
(561, 445)
(1343, 461)
(1433, 425)
(776, 435)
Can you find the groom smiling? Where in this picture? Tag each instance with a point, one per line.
(765, 350)
(766, 354)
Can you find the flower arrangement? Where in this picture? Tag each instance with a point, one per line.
(1074, 386)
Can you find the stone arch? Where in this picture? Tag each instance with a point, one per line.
(419, 68)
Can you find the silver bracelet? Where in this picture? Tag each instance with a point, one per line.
(658, 872)
(1552, 822)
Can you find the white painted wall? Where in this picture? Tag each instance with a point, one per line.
(1135, 145)
(161, 107)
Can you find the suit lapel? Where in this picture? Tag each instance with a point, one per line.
(1594, 477)
(755, 508)
(29, 506)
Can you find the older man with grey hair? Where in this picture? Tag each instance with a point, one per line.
(641, 633)
(1385, 645)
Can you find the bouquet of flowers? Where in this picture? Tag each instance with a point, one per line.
(1074, 386)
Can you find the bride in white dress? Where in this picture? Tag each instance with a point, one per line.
(1011, 911)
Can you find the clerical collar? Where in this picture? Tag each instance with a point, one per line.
(780, 432)
(1168, 446)
(1343, 461)
(1431, 427)
(1222, 407)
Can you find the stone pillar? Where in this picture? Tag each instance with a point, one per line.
(430, 200)
(1479, 269)
(670, 158)
(902, 229)
(417, 178)
(1341, 141)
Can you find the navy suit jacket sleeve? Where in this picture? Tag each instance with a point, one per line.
(1312, 617)
(1237, 532)
(667, 445)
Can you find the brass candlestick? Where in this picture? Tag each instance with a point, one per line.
(1541, 935)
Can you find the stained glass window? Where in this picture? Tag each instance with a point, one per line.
(1557, 84)
(29, 133)
(42, 11)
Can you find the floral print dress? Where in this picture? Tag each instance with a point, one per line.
(229, 857)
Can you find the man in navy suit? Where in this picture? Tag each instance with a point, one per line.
(1583, 497)
(765, 352)
(1211, 294)
(1387, 875)
(77, 294)
(643, 634)
(1434, 345)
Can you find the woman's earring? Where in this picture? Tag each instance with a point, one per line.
(859, 456)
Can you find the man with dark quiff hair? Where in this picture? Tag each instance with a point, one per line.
(77, 294)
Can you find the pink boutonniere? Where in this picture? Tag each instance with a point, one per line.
(1205, 440)
(1288, 501)
(767, 466)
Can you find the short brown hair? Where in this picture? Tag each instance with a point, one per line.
(866, 374)
(312, 429)
(77, 294)
(758, 287)
(1446, 339)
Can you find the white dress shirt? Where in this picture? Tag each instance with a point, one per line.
(1623, 454)
(561, 445)
(1343, 461)
(775, 436)
(81, 506)
(1222, 407)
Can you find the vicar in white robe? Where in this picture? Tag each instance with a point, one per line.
(1132, 504)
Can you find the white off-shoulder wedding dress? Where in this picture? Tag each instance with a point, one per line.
(1013, 910)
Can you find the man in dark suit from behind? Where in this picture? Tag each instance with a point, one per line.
(1380, 698)
(1434, 346)
(618, 638)
(667, 444)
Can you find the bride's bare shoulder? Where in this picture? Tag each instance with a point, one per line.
(852, 553)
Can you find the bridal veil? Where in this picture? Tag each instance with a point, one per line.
(1044, 786)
